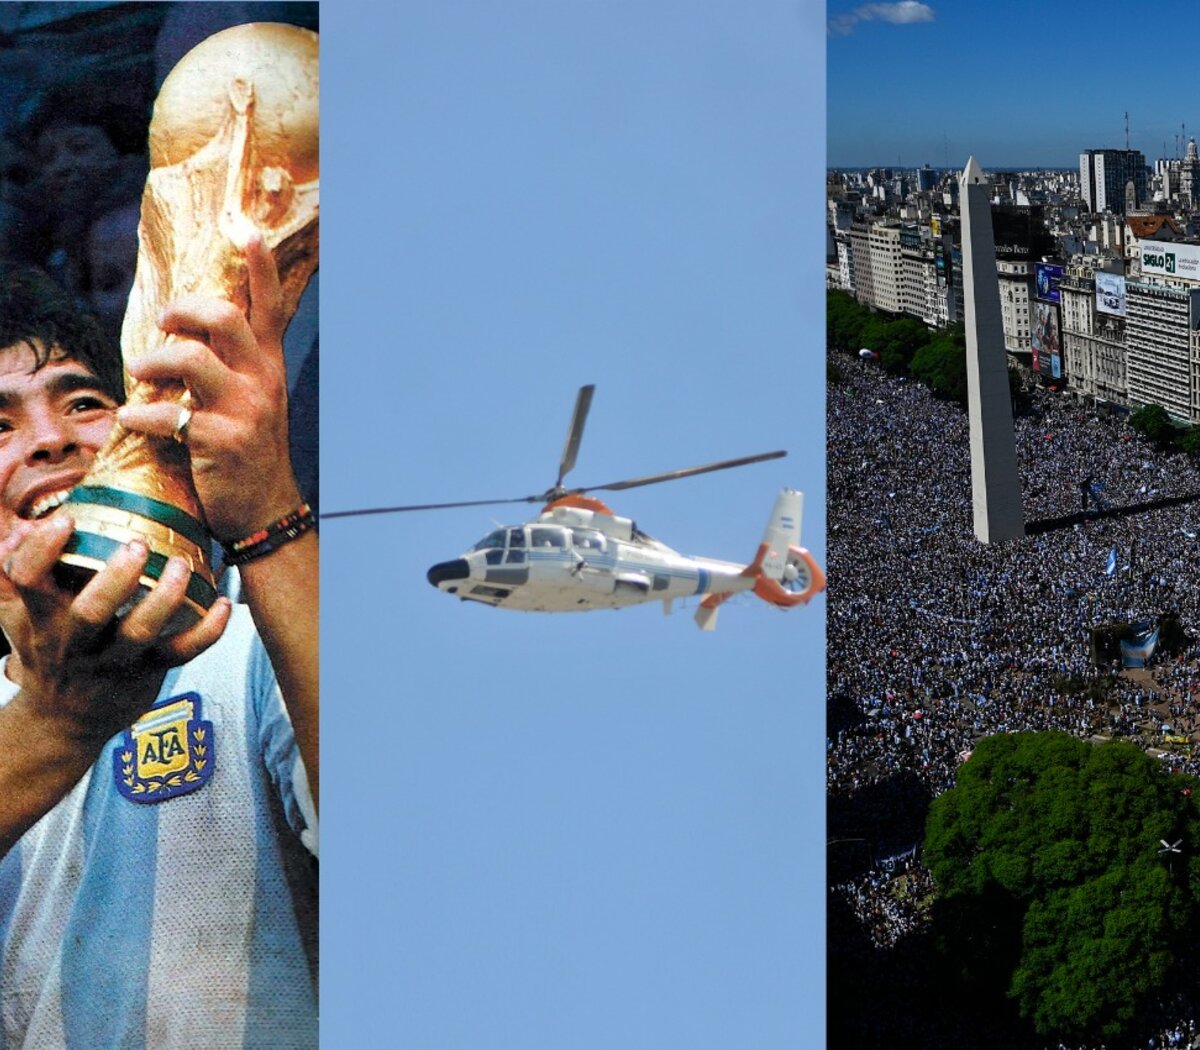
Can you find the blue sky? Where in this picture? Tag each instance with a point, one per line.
(593, 830)
(1018, 83)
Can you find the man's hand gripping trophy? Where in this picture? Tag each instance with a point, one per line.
(228, 239)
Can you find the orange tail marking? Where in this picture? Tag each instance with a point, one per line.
(774, 592)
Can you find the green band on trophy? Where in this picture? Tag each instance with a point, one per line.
(96, 550)
(145, 507)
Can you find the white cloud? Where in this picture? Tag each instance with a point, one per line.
(905, 12)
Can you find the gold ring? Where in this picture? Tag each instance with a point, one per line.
(181, 424)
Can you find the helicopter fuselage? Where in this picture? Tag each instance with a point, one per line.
(578, 555)
(575, 558)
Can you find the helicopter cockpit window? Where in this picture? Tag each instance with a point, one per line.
(516, 546)
(588, 540)
(492, 539)
(546, 536)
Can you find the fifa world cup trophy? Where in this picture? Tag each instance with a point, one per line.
(233, 149)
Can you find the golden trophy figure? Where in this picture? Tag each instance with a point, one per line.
(233, 149)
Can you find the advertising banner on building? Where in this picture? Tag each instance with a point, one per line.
(1048, 276)
(1110, 294)
(1020, 232)
(1170, 260)
(1047, 347)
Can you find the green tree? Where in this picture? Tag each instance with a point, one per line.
(873, 333)
(1190, 442)
(844, 321)
(898, 341)
(941, 364)
(1153, 422)
(1052, 890)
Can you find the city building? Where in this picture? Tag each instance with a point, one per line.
(860, 264)
(886, 265)
(1093, 328)
(1104, 173)
(1159, 329)
(1016, 291)
(1117, 322)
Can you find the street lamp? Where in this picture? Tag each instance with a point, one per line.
(1168, 848)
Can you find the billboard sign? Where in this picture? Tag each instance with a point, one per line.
(1048, 276)
(1047, 347)
(1110, 293)
(1020, 232)
(1170, 260)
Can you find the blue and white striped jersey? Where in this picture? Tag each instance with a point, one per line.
(167, 901)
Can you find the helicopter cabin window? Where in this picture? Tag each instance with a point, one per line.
(588, 540)
(542, 536)
(516, 537)
(492, 539)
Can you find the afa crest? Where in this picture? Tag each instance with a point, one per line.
(169, 751)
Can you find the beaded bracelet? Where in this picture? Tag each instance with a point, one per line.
(270, 537)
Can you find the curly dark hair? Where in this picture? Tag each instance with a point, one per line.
(37, 312)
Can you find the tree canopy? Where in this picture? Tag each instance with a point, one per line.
(844, 321)
(941, 364)
(935, 357)
(1052, 887)
(1153, 422)
(1190, 442)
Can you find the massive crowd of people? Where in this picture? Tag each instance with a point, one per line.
(936, 640)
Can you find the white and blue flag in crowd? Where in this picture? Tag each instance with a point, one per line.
(1110, 567)
(1137, 653)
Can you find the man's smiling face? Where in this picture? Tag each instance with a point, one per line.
(53, 420)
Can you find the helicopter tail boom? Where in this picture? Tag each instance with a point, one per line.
(782, 532)
(788, 575)
(784, 573)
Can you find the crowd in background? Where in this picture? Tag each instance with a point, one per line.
(936, 640)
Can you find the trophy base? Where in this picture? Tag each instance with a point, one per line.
(106, 519)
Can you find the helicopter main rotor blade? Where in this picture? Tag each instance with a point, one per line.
(674, 475)
(581, 408)
(583, 402)
(428, 506)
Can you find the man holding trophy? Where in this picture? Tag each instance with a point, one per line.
(158, 746)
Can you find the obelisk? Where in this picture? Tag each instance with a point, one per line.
(995, 484)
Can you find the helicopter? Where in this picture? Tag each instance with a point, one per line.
(578, 555)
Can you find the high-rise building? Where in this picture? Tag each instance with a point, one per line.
(1104, 173)
(918, 276)
(1159, 330)
(860, 264)
(1016, 293)
(886, 265)
(1093, 328)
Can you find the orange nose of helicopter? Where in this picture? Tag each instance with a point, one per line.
(445, 571)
